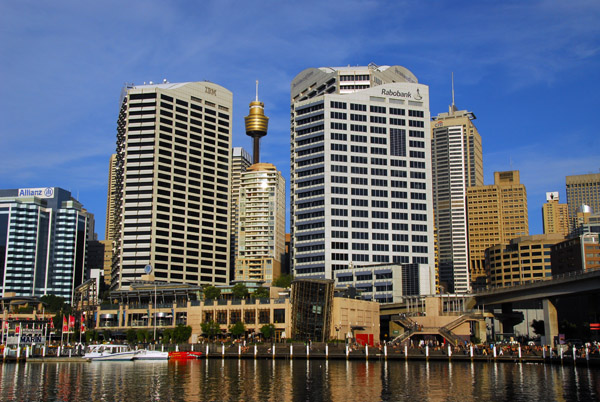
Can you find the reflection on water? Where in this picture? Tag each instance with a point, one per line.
(298, 380)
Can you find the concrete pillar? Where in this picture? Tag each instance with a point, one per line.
(506, 325)
(481, 330)
(550, 321)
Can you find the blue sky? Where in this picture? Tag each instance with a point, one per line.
(529, 70)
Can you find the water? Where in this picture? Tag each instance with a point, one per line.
(297, 380)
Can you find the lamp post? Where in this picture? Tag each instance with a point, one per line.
(154, 313)
(337, 335)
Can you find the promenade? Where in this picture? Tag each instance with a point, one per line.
(334, 351)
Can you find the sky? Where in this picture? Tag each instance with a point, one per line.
(528, 70)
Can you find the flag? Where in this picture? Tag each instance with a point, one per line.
(82, 323)
(51, 323)
(65, 327)
(18, 329)
(71, 323)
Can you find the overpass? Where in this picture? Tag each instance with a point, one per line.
(568, 284)
(545, 290)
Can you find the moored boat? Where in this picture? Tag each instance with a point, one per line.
(109, 352)
(146, 354)
(184, 355)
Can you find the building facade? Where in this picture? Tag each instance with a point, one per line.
(457, 164)
(520, 260)
(43, 233)
(576, 254)
(172, 183)
(261, 227)
(555, 216)
(496, 214)
(361, 171)
(582, 190)
(385, 283)
(240, 161)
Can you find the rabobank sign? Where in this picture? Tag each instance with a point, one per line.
(43, 192)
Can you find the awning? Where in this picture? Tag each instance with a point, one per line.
(364, 285)
(343, 274)
(382, 271)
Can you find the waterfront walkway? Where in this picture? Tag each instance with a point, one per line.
(341, 351)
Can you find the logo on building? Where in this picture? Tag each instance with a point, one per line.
(418, 95)
(43, 192)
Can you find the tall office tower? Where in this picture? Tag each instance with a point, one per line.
(496, 214)
(582, 189)
(256, 125)
(360, 171)
(173, 172)
(457, 164)
(261, 228)
(555, 216)
(42, 242)
(240, 161)
(111, 198)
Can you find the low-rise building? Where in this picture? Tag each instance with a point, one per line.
(523, 259)
(579, 253)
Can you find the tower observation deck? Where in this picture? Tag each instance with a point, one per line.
(256, 125)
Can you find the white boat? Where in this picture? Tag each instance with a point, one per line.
(109, 352)
(145, 354)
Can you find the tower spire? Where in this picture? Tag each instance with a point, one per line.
(453, 106)
(256, 125)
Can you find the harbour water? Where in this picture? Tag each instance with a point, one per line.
(297, 380)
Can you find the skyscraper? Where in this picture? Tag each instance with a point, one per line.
(173, 172)
(457, 164)
(261, 227)
(582, 189)
(360, 171)
(111, 198)
(496, 214)
(555, 216)
(43, 235)
(240, 160)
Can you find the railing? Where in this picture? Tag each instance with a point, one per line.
(109, 307)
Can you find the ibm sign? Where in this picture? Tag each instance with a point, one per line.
(43, 192)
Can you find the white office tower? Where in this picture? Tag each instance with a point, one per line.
(361, 172)
(173, 173)
(261, 228)
(457, 160)
(240, 161)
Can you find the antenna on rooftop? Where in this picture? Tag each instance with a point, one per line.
(453, 89)
(257, 90)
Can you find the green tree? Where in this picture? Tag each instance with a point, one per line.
(261, 293)
(131, 336)
(143, 335)
(237, 329)
(239, 291)
(91, 336)
(211, 292)
(167, 335)
(55, 304)
(284, 281)
(538, 327)
(268, 330)
(210, 328)
(182, 333)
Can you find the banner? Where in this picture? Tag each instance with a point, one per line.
(82, 323)
(18, 329)
(71, 323)
(65, 327)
